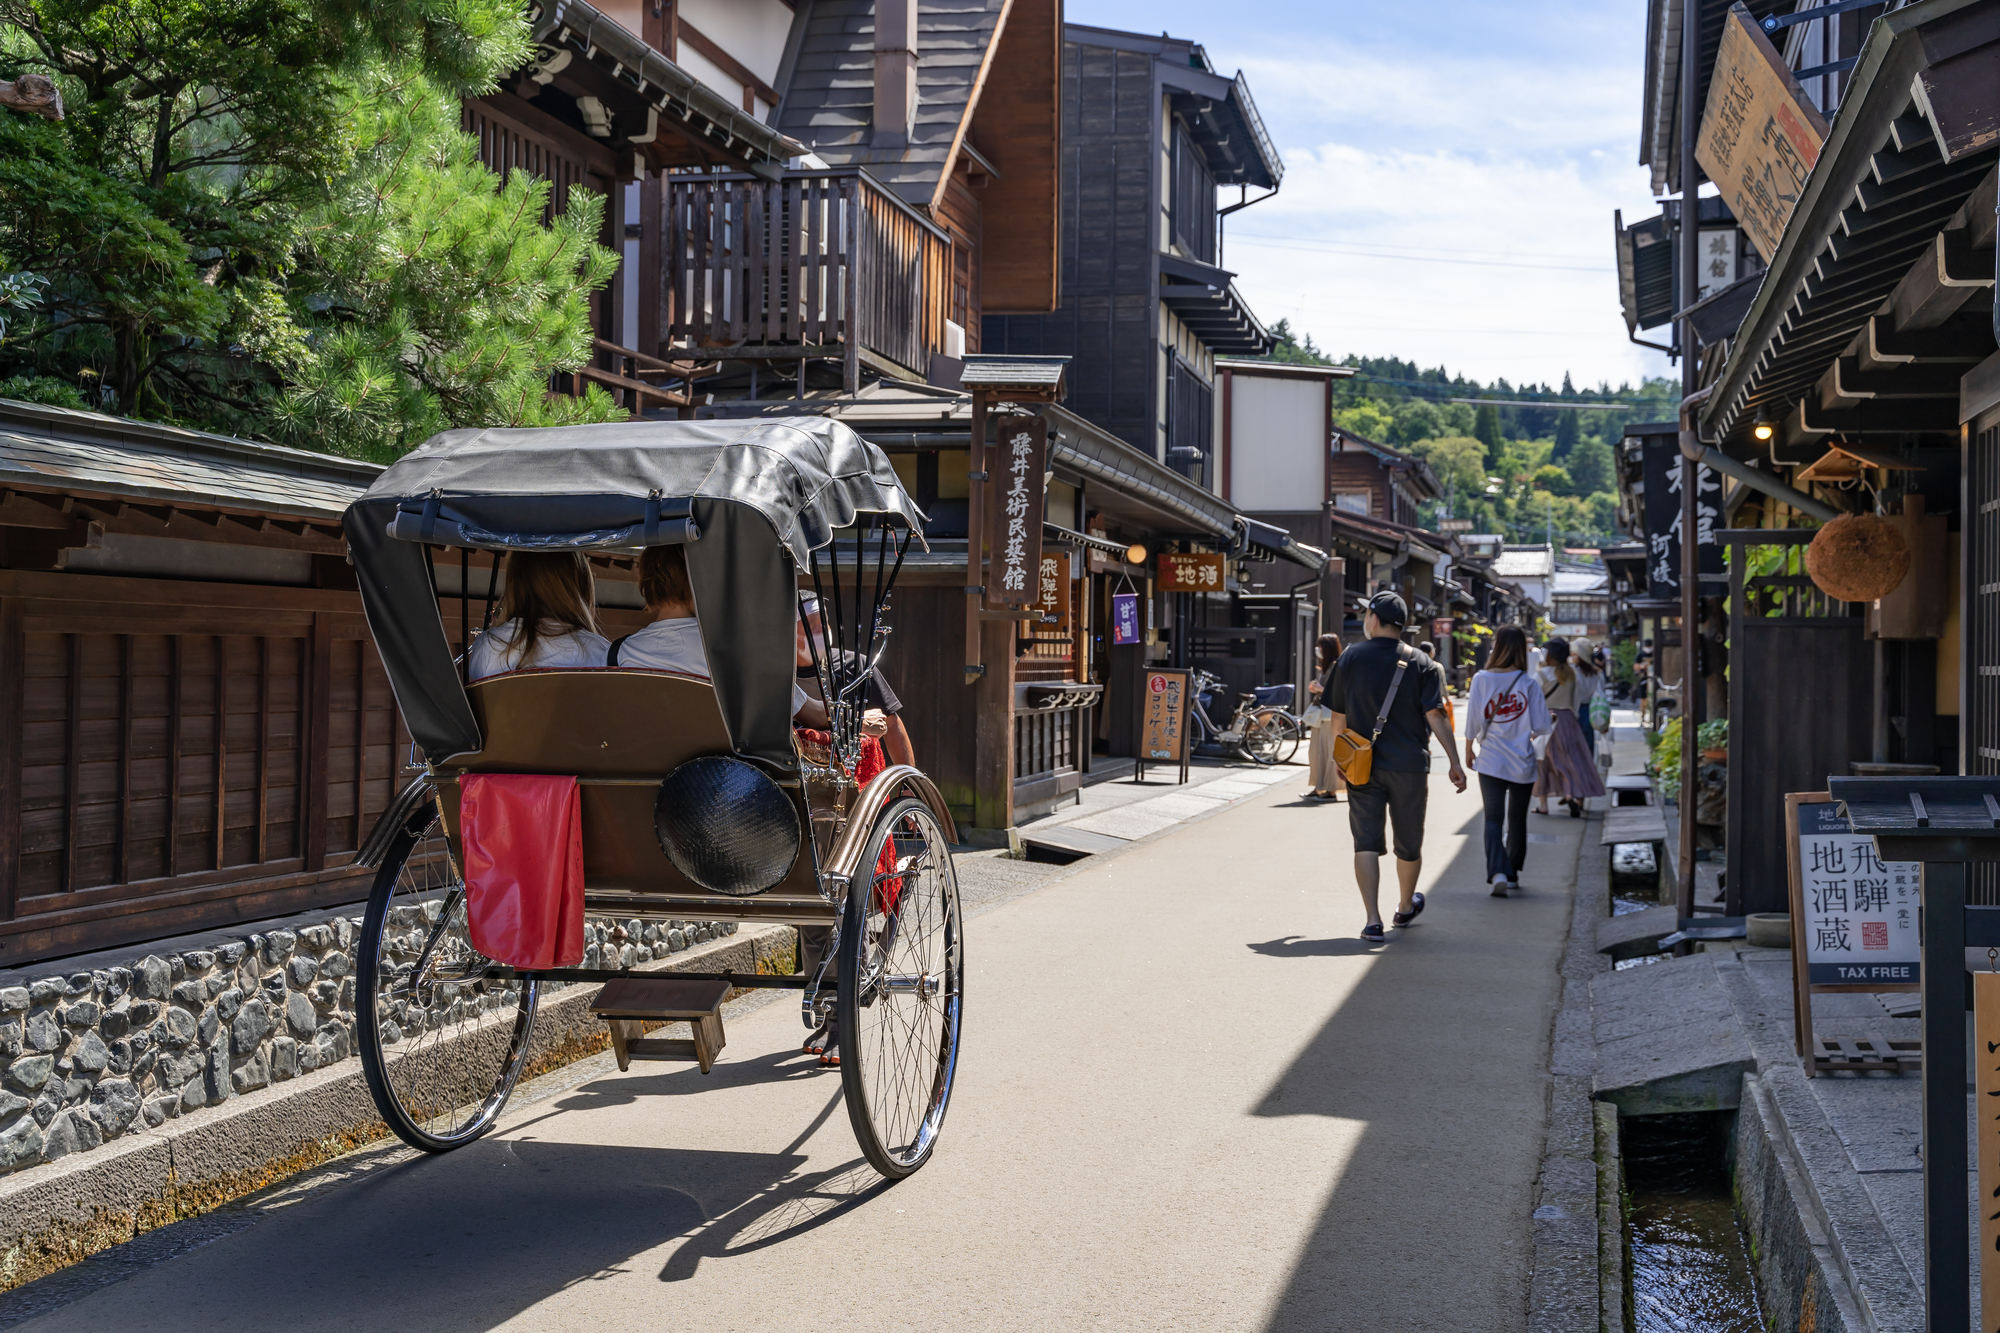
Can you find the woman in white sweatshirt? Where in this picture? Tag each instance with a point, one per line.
(1503, 715)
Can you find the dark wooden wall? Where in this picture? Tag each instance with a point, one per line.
(188, 755)
(1108, 323)
(923, 666)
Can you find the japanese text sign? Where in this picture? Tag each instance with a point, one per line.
(1052, 592)
(1163, 736)
(1663, 468)
(1759, 134)
(1191, 571)
(1016, 469)
(1855, 914)
(1124, 617)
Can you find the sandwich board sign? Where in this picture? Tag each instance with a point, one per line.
(1854, 915)
(1163, 720)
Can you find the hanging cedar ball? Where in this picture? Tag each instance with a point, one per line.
(1858, 558)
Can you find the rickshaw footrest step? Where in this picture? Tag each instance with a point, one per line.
(626, 1004)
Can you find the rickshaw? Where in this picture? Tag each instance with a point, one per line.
(698, 801)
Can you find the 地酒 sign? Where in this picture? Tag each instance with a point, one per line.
(1191, 571)
(1854, 915)
(1052, 592)
(1163, 726)
(1015, 497)
(1760, 135)
(1662, 465)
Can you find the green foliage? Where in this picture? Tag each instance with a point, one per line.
(1665, 763)
(1591, 467)
(215, 223)
(1291, 350)
(1713, 734)
(1551, 478)
(1415, 420)
(1486, 429)
(1567, 432)
(1368, 419)
(1458, 460)
(42, 389)
(441, 299)
(1624, 659)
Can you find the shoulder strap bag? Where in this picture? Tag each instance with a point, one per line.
(1353, 754)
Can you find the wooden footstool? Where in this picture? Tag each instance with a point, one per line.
(622, 1004)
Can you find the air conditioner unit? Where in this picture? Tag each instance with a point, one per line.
(954, 341)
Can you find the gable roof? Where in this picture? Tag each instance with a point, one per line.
(830, 98)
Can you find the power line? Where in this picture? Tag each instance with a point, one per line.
(1542, 402)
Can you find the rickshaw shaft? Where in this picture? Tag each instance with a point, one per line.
(745, 980)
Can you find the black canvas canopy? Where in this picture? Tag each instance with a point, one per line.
(751, 501)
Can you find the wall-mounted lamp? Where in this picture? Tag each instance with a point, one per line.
(1763, 430)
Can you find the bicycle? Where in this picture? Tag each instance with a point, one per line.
(1261, 730)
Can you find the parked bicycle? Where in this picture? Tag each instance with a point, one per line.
(1262, 730)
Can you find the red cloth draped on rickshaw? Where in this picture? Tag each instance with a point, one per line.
(523, 840)
(871, 762)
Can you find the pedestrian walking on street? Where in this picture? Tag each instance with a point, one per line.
(1567, 770)
(1590, 686)
(1327, 784)
(1397, 698)
(1504, 714)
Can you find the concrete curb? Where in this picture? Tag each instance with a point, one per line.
(55, 1215)
(1565, 1292)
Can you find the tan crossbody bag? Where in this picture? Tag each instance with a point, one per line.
(1354, 754)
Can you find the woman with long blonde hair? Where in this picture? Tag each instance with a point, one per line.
(548, 617)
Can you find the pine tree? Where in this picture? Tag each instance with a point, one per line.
(1486, 429)
(1567, 434)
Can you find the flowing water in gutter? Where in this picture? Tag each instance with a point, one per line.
(1691, 1266)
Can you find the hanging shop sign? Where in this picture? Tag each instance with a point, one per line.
(1663, 466)
(1854, 920)
(1191, 571)
(1052, 589)
(1015, 499)
(1760, 134)
(1163, 729)
(1441, 628)
(1124, 617)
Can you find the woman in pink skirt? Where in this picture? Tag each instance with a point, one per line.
(1567, 770)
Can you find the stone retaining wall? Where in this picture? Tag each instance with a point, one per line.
(91, 1055)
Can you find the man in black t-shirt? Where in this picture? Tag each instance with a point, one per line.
(1398, 786)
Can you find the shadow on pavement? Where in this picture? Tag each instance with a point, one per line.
(1436, 1056)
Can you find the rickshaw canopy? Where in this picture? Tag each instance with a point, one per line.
(750, 500)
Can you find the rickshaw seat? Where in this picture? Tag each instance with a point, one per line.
(620, 724)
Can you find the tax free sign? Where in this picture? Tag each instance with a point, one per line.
(1860, 912)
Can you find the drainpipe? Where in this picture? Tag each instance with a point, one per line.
(1708, 456)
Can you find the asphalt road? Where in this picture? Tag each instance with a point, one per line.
(1190, 1098)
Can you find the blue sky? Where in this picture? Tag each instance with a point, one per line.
(1450, 171)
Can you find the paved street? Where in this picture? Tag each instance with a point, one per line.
(1190, 1098)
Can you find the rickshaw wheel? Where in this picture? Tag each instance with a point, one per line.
(441, 1042)
(902, 974)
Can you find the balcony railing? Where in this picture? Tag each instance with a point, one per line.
(819, 264)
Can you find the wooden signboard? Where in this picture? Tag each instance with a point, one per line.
(1015, 498)
(1854, 928)
(1192, 571)
(1760, 134)
(1052, 589)
(1163, 731)
(1986, 1138)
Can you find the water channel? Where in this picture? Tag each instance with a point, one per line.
(1691, 1266)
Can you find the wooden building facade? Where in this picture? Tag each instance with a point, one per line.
(1150, 133)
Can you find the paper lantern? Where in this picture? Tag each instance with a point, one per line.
(1858, 558)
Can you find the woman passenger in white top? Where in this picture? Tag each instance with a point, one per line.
(548, 617)
(671, 640)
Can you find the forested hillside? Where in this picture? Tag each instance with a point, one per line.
(1515, 466)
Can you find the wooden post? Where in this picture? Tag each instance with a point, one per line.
(975, 536)
(1690, 257)
(315, 725)
(1947, 1238)
(13, 672)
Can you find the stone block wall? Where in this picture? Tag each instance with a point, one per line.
(86, 1056)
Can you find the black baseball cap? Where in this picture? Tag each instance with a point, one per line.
(1388, 608)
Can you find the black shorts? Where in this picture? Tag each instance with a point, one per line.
(1402, 798)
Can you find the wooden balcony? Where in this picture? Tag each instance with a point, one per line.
(823, 264)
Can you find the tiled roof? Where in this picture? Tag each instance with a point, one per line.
(54, 448)
(830, 102)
